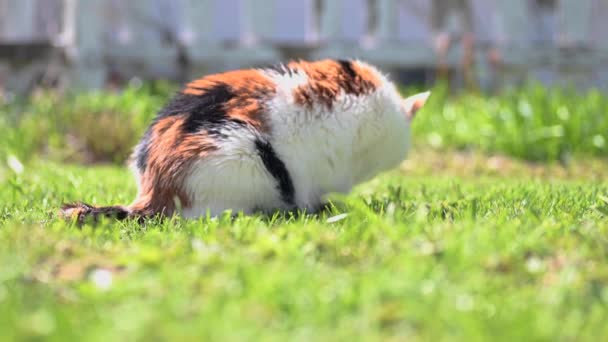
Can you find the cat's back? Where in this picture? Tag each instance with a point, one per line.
(308, 92)
(273, 135)
(299, 91)
(281, 102)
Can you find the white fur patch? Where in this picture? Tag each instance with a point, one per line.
(232, 177)
(330, 151)
(287, 82)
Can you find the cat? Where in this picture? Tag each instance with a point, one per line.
(276, 138)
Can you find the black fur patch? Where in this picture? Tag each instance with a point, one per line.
(281, 69)
(350, 80)
(206, 111)
(141, 152)
(347, 67)
(277, 169)
(201, 110)
(352, 83)
(82, 212)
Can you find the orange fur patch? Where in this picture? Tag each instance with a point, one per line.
(171, 152)
(367, 75)
(250, 87)
(328, 78)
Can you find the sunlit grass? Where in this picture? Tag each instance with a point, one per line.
(486, 232)
(534, 123)
(418, 255)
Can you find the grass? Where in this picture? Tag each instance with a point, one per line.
(456, 244)
(533, 123)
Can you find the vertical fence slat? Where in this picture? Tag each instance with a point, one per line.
(414, 22)
(530, 35)
(345, 30)
(224, 33)
(395, 45)
(227, 30)
(88, 69)
(18, 22)
(294, 23)
(575, 22)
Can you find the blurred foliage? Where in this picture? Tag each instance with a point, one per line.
(532, 123)
(88, 127)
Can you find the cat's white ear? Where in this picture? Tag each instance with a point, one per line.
(412, 104)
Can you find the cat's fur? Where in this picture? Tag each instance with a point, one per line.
(267, 139)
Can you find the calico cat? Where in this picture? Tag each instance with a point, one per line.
(277, 138)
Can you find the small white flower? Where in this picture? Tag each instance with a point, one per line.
(427, 288)
(465, 302)
(15, 164)
(337, 218)
(101, 278)
(534, 265)
(198, 245)
(599, 141)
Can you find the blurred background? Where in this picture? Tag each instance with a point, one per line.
(80, 80)
(496, 224)
(482, 44)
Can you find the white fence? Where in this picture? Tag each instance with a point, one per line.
(552, 40)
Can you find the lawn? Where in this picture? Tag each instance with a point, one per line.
(496, 228)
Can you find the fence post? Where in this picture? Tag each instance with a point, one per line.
(577, 59)
(344, 21)
(344, 29)
(388, 16)
(18, 21)
(574, 19)
(84, 28)
(294, 23)
(396, 47)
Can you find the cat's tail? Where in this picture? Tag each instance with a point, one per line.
(82, 212)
